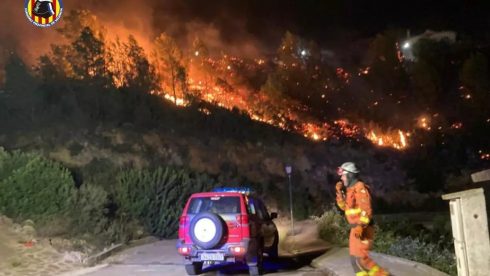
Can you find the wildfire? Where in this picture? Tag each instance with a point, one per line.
(288, 116)
(396, 139)
(315, 132)
(214, 80)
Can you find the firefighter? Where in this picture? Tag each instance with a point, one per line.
(356, 203)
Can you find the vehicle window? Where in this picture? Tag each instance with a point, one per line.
(257, 208)
(262, 210)
(251, 206)
(219, 205)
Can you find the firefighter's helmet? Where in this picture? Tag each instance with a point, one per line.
(347, 167)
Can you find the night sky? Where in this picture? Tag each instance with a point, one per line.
(261, 24)
(324, 20)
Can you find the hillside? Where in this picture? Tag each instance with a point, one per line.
(227, 151)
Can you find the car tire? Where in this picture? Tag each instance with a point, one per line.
(207, 230)
(194, 268)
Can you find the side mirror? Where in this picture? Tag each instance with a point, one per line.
(273, 215)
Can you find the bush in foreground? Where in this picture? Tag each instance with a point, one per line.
(33, 187)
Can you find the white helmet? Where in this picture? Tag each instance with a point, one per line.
(347, 167)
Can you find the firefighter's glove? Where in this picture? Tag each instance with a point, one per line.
(358, 231)
(339, 186)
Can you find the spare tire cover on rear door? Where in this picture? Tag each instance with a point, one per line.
(206, 230)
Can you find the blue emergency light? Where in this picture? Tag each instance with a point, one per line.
(242, 190)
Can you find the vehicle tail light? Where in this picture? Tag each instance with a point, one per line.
(182, 222)
(242, 219)
(238, 250)
(185, 251)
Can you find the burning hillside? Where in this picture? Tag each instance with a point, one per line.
(218, 86)
(294, 89)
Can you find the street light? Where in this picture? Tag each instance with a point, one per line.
(289, 169)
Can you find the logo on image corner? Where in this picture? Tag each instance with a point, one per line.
(43, 13)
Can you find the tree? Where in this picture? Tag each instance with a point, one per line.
(386, 72)
(182, 79)
(55, 86)
(435, 53)
(76, 21)
(141, 74)
(170, 63)
(20, 88)
(289, 50)
(273, 87)
(88, 58)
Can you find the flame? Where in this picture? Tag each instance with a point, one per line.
(214, 80)
(396, 139)
(178, 102)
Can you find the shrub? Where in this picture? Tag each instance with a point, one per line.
(11, 162)
(333, 227)
(33, 187)
(89, 210)
(156, 198)
(422, 252)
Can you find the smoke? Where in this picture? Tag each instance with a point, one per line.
(144, 20)
(19, 35)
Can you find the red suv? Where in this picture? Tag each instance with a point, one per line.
(226, 225)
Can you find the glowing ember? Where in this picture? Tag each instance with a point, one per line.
(424, 123)
(485, 156)
(205, 111)
(457, 125)
(364, 71)
(343, 75)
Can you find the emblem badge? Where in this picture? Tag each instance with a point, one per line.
(43, 13)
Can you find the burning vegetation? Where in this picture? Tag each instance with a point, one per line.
(296, 89)
(275, 90)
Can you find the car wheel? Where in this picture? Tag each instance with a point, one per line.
(207, 230)
(194, 268)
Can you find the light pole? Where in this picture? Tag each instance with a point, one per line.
(289, 169)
